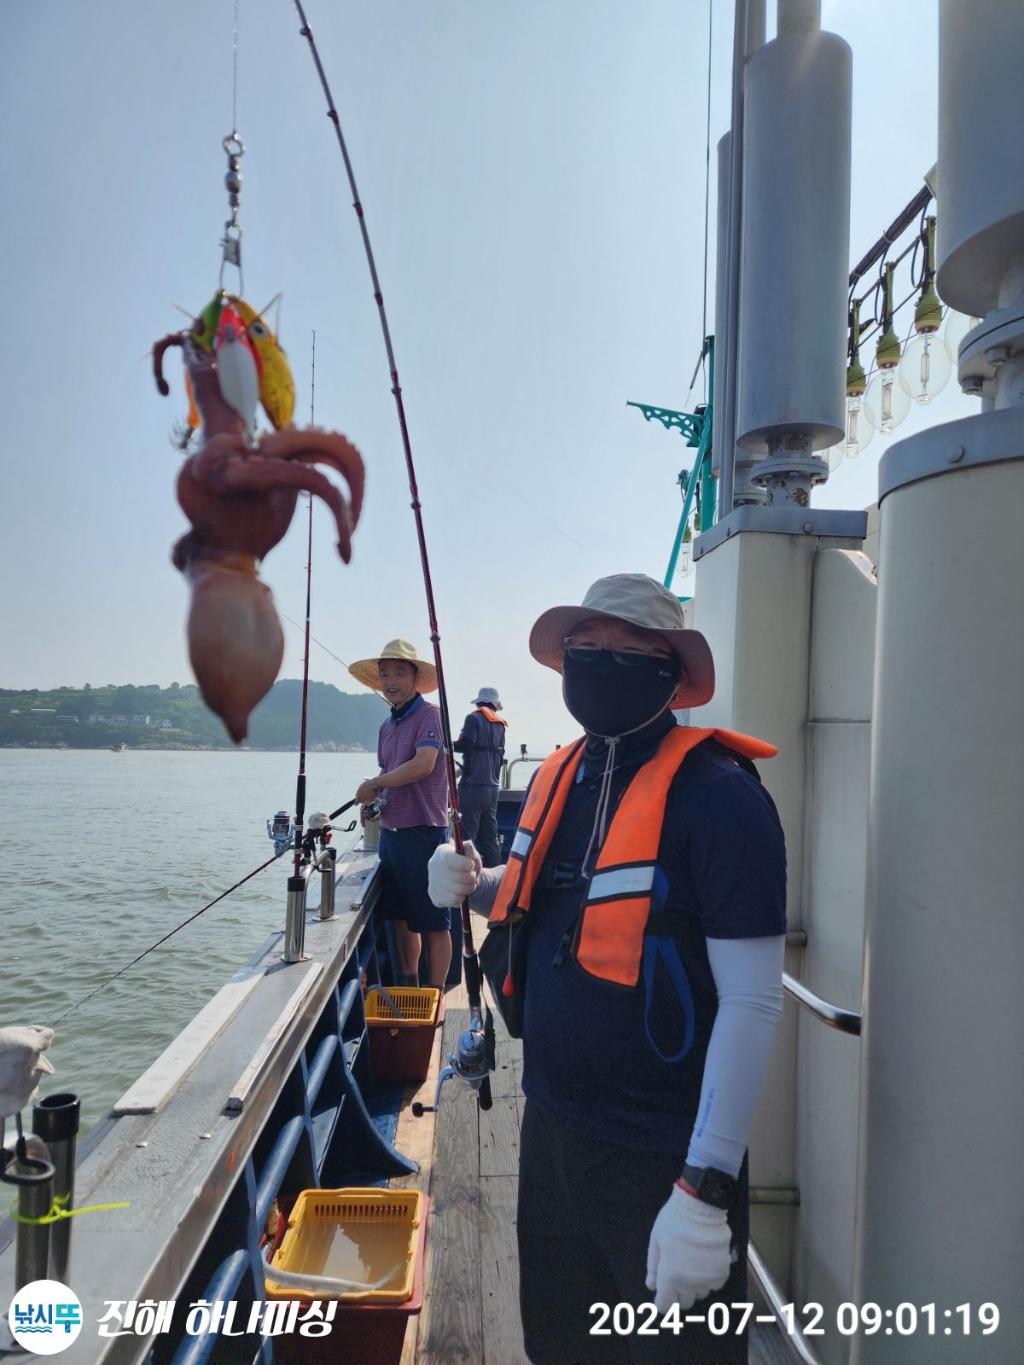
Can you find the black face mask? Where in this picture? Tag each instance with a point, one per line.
(609, 698)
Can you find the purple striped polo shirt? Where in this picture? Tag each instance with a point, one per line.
(420, 803)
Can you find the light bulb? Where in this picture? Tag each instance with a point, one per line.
(860, 426)
(925, 368)
(957, 327)
(835, 455)
(887, 400)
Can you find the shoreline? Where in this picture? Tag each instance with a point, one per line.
(324, 748)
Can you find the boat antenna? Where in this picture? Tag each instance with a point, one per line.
(300, 783)
(470, 963)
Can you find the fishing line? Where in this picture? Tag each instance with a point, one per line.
(234, 83)
(470, 962)
(152, 948)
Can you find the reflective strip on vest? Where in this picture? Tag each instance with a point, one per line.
(521, 843)
(621, 881)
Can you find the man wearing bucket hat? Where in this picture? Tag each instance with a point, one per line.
(482, 746)
(648, 875)
(412, 789)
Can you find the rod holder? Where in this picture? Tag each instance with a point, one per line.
(55, 1119)
(328, 873)
(33, 1175)
(371, 832)
(295, 921)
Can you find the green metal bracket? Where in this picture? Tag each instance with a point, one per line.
(697, 429)
(688, 424)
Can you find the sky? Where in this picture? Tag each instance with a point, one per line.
(533, 180)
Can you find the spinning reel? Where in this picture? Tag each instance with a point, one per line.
(472, 1062)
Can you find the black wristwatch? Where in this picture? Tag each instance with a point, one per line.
(712, 1186)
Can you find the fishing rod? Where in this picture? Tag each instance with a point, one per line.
(300, 783)
(474, 1058)
(153, 946)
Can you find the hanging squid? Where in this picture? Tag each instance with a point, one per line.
(239, 493)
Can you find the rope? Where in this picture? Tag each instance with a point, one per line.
(58, 1211)
(152, 948)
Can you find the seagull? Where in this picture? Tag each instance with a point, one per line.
(22, 1065)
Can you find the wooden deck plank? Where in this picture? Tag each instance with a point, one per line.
(499, 1138)
(451, 1324)
(508, 1055)
(499, 1271)
(414, 1137)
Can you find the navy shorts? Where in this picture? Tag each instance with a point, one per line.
(404, 854)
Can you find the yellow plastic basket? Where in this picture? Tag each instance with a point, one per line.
(416, 1005)
(377, 1228)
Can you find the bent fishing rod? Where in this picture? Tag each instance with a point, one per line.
(474, 1057)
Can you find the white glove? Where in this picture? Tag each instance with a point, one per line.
(688, 1256)
(451, 876)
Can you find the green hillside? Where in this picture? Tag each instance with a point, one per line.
(176, 717)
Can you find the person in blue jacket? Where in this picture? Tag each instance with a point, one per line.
(482, 746)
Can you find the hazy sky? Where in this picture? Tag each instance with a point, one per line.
(533, 178)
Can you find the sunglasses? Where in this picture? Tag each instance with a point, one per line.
(630, 657)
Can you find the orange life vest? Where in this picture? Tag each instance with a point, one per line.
(490, 715)
(611, 935)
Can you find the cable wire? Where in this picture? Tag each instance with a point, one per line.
(707, 200)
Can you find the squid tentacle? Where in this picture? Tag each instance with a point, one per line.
(311, 445)
(256, 476)
(159, 349)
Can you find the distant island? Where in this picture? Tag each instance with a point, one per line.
(176, 717)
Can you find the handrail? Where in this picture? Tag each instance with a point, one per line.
(846, 1021)
(525, 758)
(772, 1295)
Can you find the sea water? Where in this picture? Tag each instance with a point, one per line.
(102, 854)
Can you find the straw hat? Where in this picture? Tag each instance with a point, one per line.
(639, 601)
(367, 671)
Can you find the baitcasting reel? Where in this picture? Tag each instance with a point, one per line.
(471, 1062)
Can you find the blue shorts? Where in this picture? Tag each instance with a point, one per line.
(404, 854)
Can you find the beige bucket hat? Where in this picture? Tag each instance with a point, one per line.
(367, 671)
(640, 601)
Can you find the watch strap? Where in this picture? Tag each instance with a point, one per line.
(710, 1185)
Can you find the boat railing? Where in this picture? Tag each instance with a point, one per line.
(794, 1339)
(846, 1021)
(510, 764)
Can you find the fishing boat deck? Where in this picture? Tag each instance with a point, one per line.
(469, 1165)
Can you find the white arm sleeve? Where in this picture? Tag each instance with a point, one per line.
(748, 977)
(486, 890)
